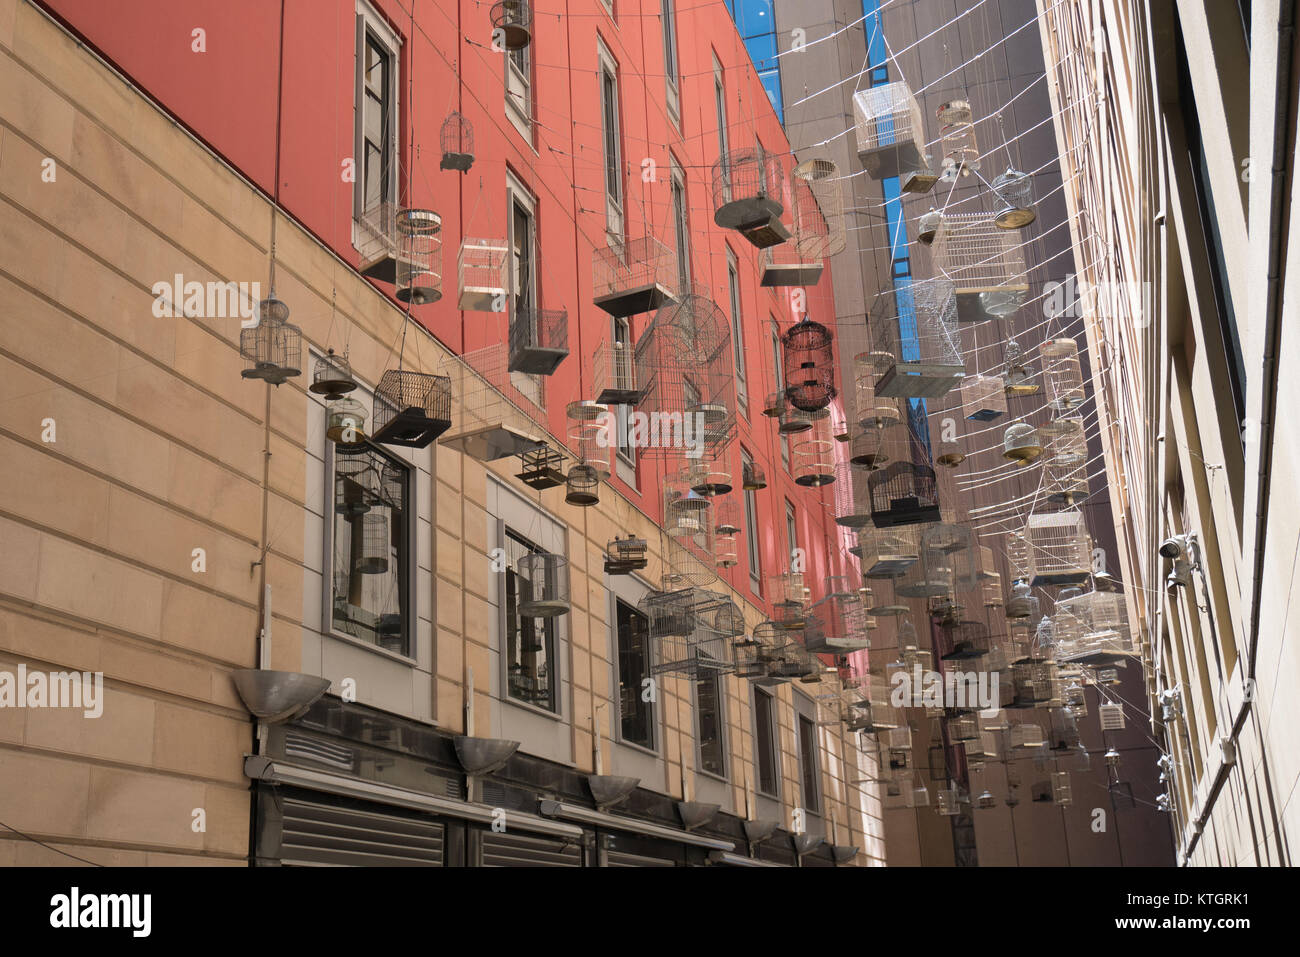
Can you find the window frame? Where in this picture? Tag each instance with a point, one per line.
(520, 95)
(737, 332)
(680, 209)
(751, 530)
(672, 61)
(371, 26)
(652, 716)
(626, 454)
(520, 197)
(550, 630)
(609, 96)
(778, 370)
(791, 532)
(766, 743)
(809, 764)
(720, 706)
(724, 142)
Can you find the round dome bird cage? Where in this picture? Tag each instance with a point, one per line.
(809, 363)
(903, 493)
(726, 534)
(411, 408)
(1015, 200)
(870, 450)
(1063, 374)
(375, 543)
(852, 503)
(957, 136)
(748, 185)
(890, 136)
(950, 454)
(753, 478)
(512, 24)
(272, 349)
(332, 377)
(544, 585)
(707, 477)
(457, 141)
(1019, 378)
(419, 256)
(791, 420)
(582, 486)
(686, 511)
(1021, 443)
(354, 482)
(346, 422)
(927, 227)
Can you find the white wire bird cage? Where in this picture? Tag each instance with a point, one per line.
(707, 476)
(635, 276)
(418, 272)
(914, 331)
(1014, 208)
(686, 512)
(412, 408)
(961, 153)
(891, 136)
(748, 187)
(888, 552)
(512, 24)
(456, 137)
(1019, 377)
(684, 627)
(983, 398)
(985, 265)
(615, 375)
(332, 377)
(1110, 714)
(1060, 550)
(813, 453)
(836, 625)
(1063, 374)
(726, 533)
(481, 275)
(272, 349)
(1065, 468)
(544, 585)
(1102, 635)
(1021, 443)
(492, 416)
(539, 340)
(817, 210)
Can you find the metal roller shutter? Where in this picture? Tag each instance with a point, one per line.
(322, 834)
(519, 850)
(621, 859)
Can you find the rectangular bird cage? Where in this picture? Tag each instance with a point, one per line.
(837, 625)
(376, 242)
(898, 746)
(983, 398)
(891, 136)
(817, 210)
(615, 375)
(411, 409)
(539, 340)
(965, 640)
(963, 728)
(1026, 736)
(1062, 795)
(1111, 716)
(493, 417)
(625, 555)
(1036, 684)
(635, 276)
(1060, 549)
(481, 275)
(542, 468)
(1063, 374)
(1103, 636)
(903, 493)
(786, 265)
(949, 550)
(914, 332)
(985, 264)
(947, 801)
(888, 552)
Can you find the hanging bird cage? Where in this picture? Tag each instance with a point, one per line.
(903, 493)
(809, 363)
(512, 24)
(837, 622)
(726, 533)
(355, 483)
(814, 456)
(951, 546)
(375, 543)
(927, 361)
(785, 266)
(582, 486)
(947, 802)
(625, 555)
(950, 453)
(589, 429)
(1061, 795)
(961, 154)
(1063, 374)
(871, 411)
(1025, 736)
(1060, 548)
(1101, 635)
(818, 209)
(635, 276)
(411, 408)
(898, 743)
(542, 468)
(924, 580)
(787, 592)
(1019, 377)
(346, 422)
(963, 728)
(748, 185)
(983, 398)
(991, 591)
(1017, 551)
(927, 227)
(418, 272)
(707, 477)
(1020, 443)
(332, 377)
(615, 375)
(481, 270)
(457, 141)
(789, 419)
(1015, 200)
(670, 614)
(539, 340)
(1111, 716)
(494, 417)
(1065, 468)
(891, 136)
(753, 478)
(544, 584)
(965, 640)
(852, 502)
(985, 265)
(686, 511)
(885, 602)
(871, 450)
(888, 552)
(727, 619)
(1034, 685)
(272, 349)
(690, 560)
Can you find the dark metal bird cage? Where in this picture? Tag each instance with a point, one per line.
(411, 408)
(891, 136)
(809, 363)
(626, 555)
(753, 478)
(1034, 684)
(272, 349)
(457, 140)
(544, 585)
(748, 186)
(418, 272)
(542, 468)
(583, 486)
(332, 377)
(375, 543)
(965, 640)
(512, 24)
(903, 493)
(539, 340)
(635, 276)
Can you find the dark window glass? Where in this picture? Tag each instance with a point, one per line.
(637, 714)
(609, 107)
(376, 115)
(530, 642)
(808, 763)
(765, 743)
(708, 699)
(681, 234)
(751, 524)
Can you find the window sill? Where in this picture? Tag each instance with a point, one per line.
(535, 709)
(640, 748)
(713, 776)
(367, 646)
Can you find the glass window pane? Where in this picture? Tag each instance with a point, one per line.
(708, 697)
(764, 730)
(636, 713)
(808, 762)
(530, 642)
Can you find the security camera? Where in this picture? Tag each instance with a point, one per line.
(1173, 547)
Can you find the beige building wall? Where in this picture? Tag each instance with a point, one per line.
(160, 448)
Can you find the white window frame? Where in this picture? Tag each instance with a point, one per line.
(517, 194)
(672, 61)
(607, 66)
(773, 742)
(626, 456)
(751, 529)
(738, 339)
(370, 24)
(681, 213)
(724, 146)
(519, 92)
(720, 682)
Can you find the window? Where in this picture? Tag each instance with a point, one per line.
(737, 340)
(636, 714)
(519, 89)
(522, 241)
(530, 642)
(681, 231)
(720, 103)
(791, 532)
(751, 526)
(779, 370)
(669, 18)
(376, 129)
(765, 741)
(613, 154)
(371, 567)
(808, 763)
(709, 707)
(623, 337)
